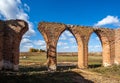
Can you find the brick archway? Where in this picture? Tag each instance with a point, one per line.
(81, 55)
(106, 56)
(11, 33)
(52, 32)
(79, 42)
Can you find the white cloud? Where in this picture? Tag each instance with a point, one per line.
(66, 47)
(109, 20)
(61, 43)
(97, 38)
(97, 46)
(67, 33)
(27, 8)
(72, 40)
(63, 37)
(40, 42)
(25, 47)
(74, 47)
(28, 45)
(14, 9)
(25, 40)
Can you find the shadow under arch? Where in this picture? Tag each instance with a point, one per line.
(105, 46)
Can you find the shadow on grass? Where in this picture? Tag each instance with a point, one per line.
(44, 68)
(61, 68)
(37, 75)
(94, 65)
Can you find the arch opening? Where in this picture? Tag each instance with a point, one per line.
(33, 52)
(94, 51)
(105, 52)
(67, 52)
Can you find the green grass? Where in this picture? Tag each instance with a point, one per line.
(109, 71)
(67, 58)
(94, 62)
(37, 58)
(33, 70)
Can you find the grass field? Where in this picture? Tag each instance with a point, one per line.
(33, 70)
(70, 61)
(40, 58)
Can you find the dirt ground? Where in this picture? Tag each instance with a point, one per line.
(95, 77)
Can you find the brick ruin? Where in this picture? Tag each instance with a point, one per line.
(11, 32)
(110, 41)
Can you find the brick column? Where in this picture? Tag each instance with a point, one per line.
(117, 47)
(51, 56)
(86, 54)
(51, 33)
(106, 54)
(13, 32)
(16, 54)
(1, 44)
(81, 52)
(7, 49)
(81, 63)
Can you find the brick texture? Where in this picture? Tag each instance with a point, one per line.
(52, 31)
(11, 32)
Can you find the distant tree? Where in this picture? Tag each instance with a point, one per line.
(41, 50)
(36, 50)
(33, 50)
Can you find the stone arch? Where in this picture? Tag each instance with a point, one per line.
(77, 36)
(51, 32)
(43, 33)
(59, 34)
(79, 41)
(105, 46)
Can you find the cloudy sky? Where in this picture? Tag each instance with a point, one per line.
(96, 13)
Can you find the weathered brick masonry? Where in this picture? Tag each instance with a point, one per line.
(110, 40)
(11, 32)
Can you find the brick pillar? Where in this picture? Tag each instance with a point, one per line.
(81, 63)
(7, 49)
(16, 54)
(81, 53)
(1, 45)
(117, 47)
(106, 52)
(13, 32)
(51, 56)
(86, 54)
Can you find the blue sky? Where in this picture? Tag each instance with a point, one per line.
(97, 13)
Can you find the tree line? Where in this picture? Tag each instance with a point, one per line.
(36, 50)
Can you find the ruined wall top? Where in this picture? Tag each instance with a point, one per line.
(17, 26)
(52, 24)
(46, 28)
